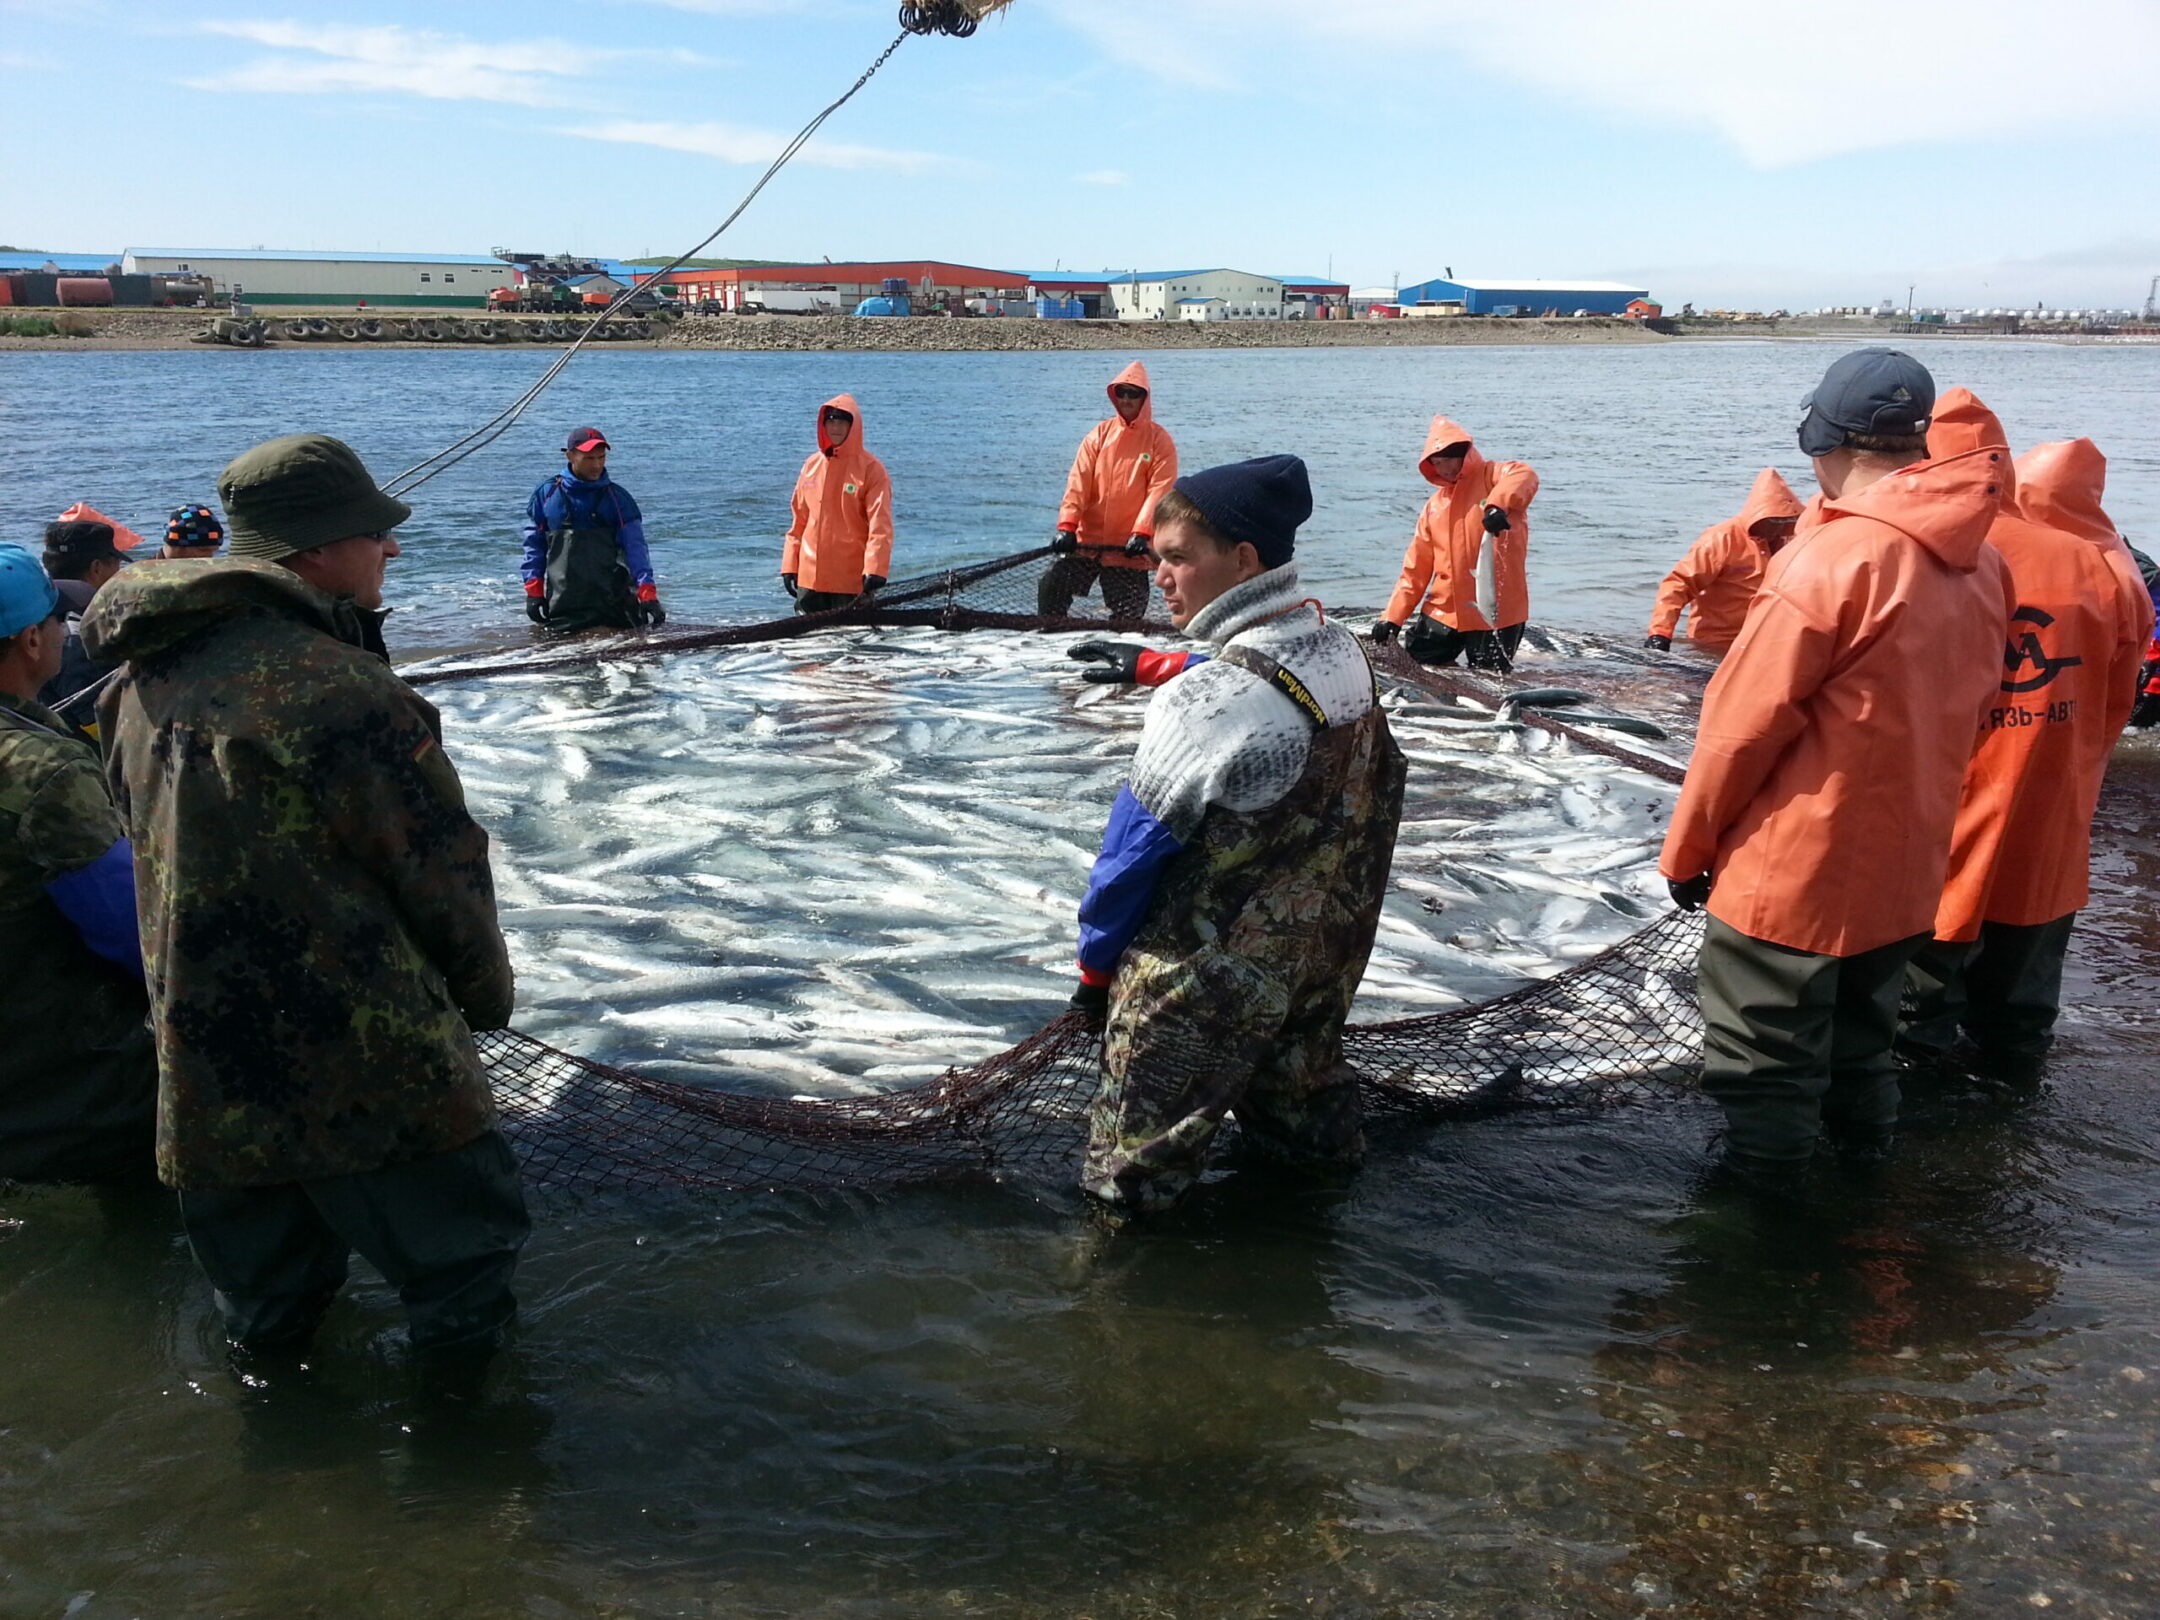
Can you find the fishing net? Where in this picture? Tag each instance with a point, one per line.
(1618, 1027)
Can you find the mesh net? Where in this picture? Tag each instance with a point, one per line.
(1618, 1027)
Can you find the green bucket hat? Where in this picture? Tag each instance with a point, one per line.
(299, 492)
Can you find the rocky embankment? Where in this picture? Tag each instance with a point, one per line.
(123, 329)
(830, 332)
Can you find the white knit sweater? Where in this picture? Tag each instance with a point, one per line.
(1218, 734)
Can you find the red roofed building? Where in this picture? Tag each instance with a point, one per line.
(851, 281)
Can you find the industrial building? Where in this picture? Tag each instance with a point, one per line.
(389, 279)
(933, 281)
(1314, 298)
(1161, 295)
(1523, 297)
(59, 264)
(1089, 289)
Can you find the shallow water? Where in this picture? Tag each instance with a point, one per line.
(1638, 448)
(1527, 1367)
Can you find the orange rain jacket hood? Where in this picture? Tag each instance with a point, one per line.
(1718, 577)
(124, 538)
(1118, 474)
(1834, 738)
(842, 526)
(2059, 486)
(2069, 677)
(1439, 572)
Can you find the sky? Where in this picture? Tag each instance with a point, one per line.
(1719, 152)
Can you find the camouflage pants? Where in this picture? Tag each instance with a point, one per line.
(1194, 1039)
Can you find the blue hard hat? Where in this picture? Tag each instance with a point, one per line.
(27, 594)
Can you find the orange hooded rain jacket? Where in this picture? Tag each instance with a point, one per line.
(2069, 676)
(1717, 579)
(2059, 486)
(1439, 570)
(842, 527)
(1835, 736)
(1118, 474)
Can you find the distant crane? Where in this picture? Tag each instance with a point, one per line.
(2152, 299)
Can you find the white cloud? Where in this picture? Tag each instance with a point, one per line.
(1784, 85)
(398, 61)
(1104, 177)
(731, 143)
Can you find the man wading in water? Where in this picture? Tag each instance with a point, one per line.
(1233, 906)
(586, 564)
(318, 920)
(839, 539)
(1122, 468)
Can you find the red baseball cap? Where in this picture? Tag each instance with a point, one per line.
(582, 439)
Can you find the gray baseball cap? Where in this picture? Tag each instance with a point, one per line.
(1882, 391)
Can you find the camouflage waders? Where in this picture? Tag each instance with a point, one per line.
(1233, 996)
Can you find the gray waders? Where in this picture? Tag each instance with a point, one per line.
(1795, 1043)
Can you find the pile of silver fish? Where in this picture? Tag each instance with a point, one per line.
(834, 864)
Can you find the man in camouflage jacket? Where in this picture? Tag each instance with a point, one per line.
(1235, 901)
(78, 1072)
(318, 918)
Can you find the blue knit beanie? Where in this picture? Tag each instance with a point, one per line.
(1261, 501)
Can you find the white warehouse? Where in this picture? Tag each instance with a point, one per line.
(1223, 295)
(394, 279)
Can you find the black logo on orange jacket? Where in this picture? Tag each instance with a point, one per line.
(2024, 652)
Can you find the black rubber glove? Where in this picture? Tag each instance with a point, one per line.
(1064, 543)
(872, 582)
(1496, 521)
(1658, 643)
(787, 583)
(652, 614)
(1384, 633)
(1092, 999)
(1122, 659)
(1689, 896)
(536, 610)
(1138, 546)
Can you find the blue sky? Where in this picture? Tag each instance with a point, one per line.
(1725, 153)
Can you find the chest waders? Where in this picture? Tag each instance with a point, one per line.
(1232, 997)
(588, 584)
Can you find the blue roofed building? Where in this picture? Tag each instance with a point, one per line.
(1527, 297)
(64, 264)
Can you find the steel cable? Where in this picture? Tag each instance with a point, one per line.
(495, 427)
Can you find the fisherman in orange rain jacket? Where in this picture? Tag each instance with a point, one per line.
(1717, 578)
(1472, 498)
(1124, 466)
(1818, 808)
(839, 546)
(2019, 857)
(2059, 487)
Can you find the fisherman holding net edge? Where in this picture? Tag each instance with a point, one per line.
(1106, 521)
(1232, 909)
(586, 562)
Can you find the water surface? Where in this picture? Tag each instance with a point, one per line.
(1529, 1367)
